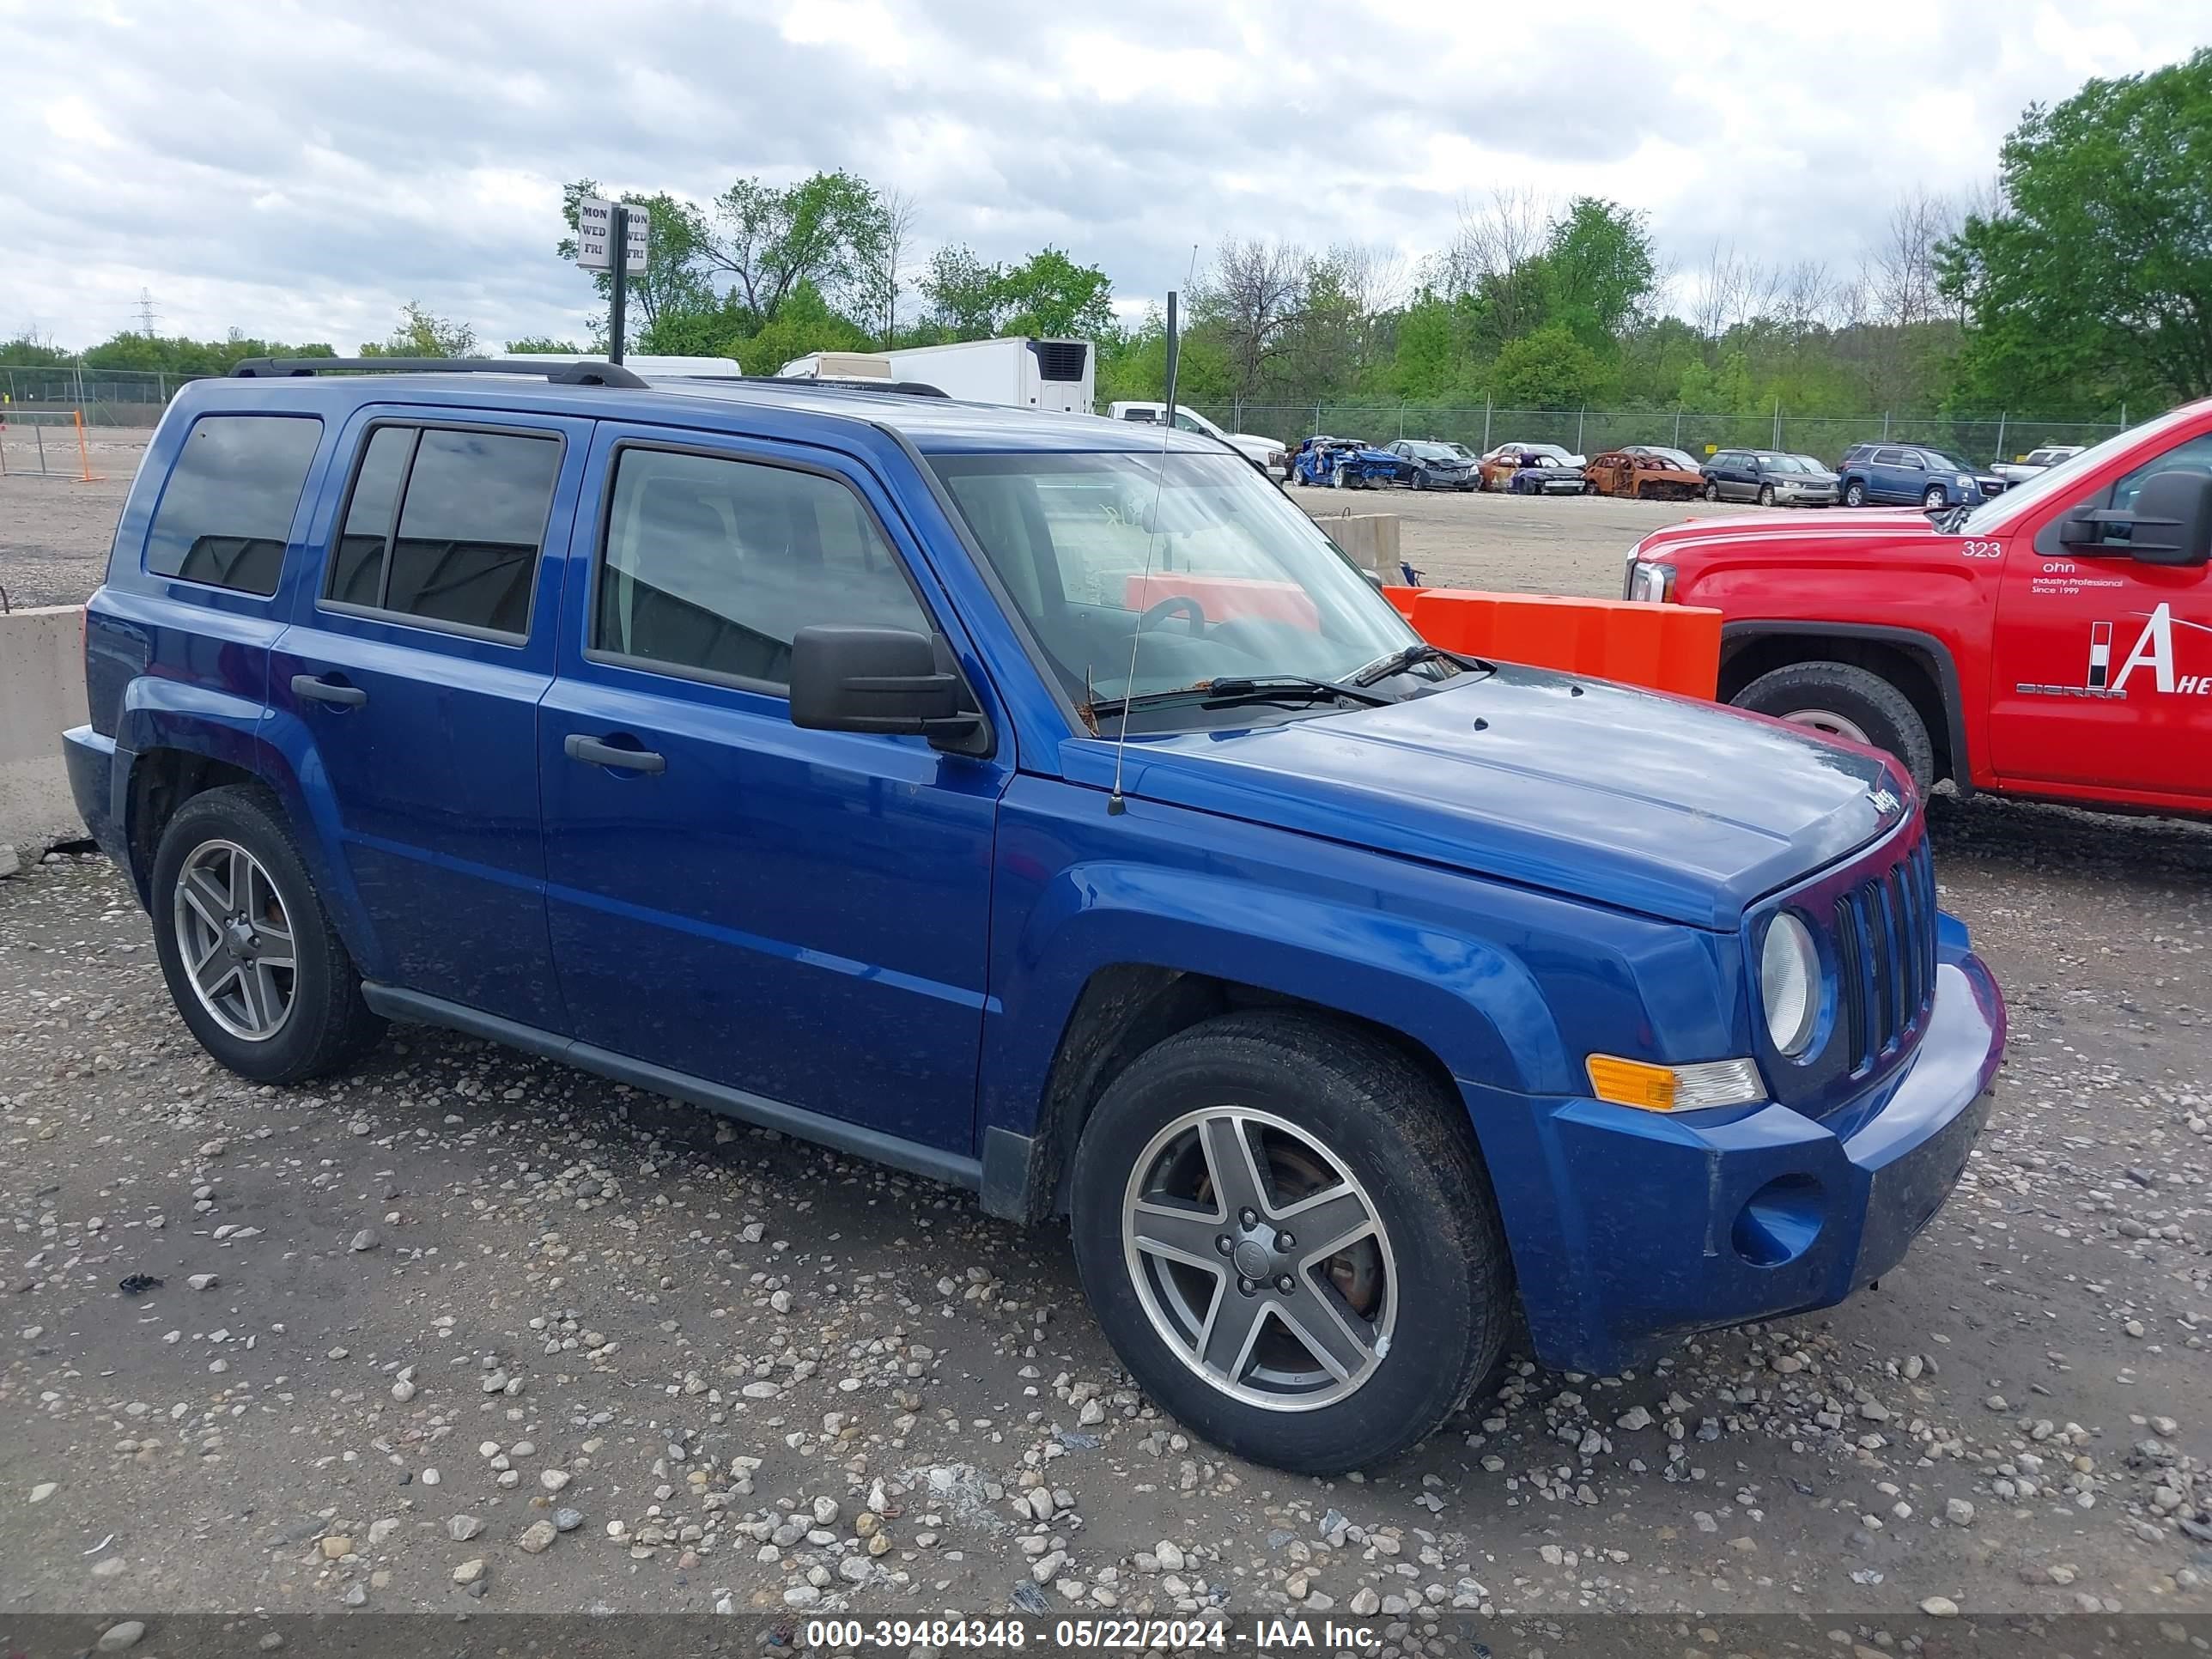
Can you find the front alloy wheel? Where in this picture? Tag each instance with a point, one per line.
(1259, 1259)
(235, 938)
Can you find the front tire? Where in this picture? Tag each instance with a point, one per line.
(1337, 476)
(1712, 490)
(1421, 479)
(1843, 700)
(1766, 494)
(1365, 1287)
(254, 965)
(1934, 498)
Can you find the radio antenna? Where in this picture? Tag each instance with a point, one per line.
(1115, 804)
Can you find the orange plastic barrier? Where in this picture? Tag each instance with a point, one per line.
(1668, 647)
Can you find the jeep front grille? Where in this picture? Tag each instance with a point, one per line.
(1886, 958)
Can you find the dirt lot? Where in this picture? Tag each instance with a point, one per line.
(405, 1318)
(54, 530)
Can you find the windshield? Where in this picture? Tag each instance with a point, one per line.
(2000, 511)
(1810, 464)
(1783, 464)
(1553, 450)
(1431, 452)
(1223, 579)
(1675, 457)
(1945, 463)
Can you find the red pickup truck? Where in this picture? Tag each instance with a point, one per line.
(2055, 640)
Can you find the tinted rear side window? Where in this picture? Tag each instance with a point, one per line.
(225, 512)
(464, 546)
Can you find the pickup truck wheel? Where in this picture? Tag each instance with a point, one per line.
(252, 960)
(1846, 702)
(1289, 1240)
(1854, 493)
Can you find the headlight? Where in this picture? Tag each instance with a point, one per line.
(1964, 482)
(1790, 984)
(1651, 583)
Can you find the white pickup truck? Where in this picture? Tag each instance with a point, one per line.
(1266, 452)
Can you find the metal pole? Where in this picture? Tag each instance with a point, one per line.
(2002, 415)
(1579, 413)
(616, 320)
(1885, 426)
(1486, 423)
(2124, 417)
(1678, 429)
(80, 386)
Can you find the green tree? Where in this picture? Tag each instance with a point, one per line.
(1548, 369)
(803, 323)
(542, 343)
(420, 334)
(30, 350)
(828, 230)
(962, 293)
(1049, 295)
(1598, 270)
(2093, 282)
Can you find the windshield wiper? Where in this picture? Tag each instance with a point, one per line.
(1236, 688)
(1412, 656)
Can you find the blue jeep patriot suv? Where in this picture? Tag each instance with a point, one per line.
(1043, 805)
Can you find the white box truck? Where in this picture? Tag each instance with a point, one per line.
(837, 365)
(1056, 375)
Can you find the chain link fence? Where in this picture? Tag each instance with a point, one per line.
(108, 397)
(1591, 431)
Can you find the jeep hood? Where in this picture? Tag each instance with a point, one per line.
(1650, 803)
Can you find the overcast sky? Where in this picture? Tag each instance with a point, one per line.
(298, 171)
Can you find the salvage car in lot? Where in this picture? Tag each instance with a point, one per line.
(1342, 464)
(1771, 477)
(1532, 470)
(2056, 642)
(1429, 464)
(1044, 805)
(1644, 472)
(1913, 472)
(2036, 460)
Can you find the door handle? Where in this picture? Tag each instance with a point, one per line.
(321, 690)
(578, 747)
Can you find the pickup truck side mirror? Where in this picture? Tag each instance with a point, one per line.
(884, 680)
(2170, 524)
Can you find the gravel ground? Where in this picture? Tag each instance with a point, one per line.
(55, 532)
(471, 1325)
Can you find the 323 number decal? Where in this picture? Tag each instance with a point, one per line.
(1981, 549)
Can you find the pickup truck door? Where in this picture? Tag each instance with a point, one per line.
(414, 663)
(801, 915)
(2103, 666)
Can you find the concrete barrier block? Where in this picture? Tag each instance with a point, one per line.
(42, 696)
(1370, 539)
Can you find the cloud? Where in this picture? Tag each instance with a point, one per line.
(298, 172)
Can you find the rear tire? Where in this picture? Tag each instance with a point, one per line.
(1854, 493)
(323, 1023)
(1346, 1133)
(1847, 701)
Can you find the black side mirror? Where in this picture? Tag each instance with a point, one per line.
(2170, 524)
(885, 680)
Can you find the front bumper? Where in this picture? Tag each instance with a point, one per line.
(1815, 496)
(1630, 1229)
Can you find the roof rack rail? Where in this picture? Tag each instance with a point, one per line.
(585, 374)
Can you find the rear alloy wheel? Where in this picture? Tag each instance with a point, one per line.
(1842, 700)
(254, 963)
(1288, 1241)
(1854, 493)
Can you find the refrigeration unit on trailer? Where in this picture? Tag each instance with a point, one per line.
(1060, 375)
